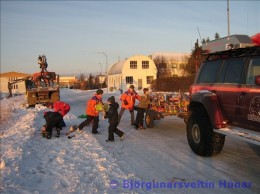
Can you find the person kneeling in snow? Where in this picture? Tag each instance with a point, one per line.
(62, 107)
(53, 119)
(112, 116)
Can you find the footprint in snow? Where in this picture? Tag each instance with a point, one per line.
(64, 183)
(39, 180)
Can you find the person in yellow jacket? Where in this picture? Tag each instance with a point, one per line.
(92, 112)
(128, 101)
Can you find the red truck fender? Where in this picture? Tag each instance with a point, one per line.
(211, 103)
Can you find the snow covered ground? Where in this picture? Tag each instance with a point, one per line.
(156, 160)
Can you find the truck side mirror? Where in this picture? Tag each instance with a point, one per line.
(257, 80)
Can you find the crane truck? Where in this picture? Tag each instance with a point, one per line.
(42, 87)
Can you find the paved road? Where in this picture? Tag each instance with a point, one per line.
(162, 154)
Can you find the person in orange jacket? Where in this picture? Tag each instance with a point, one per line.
(92, 112)
(128, 101)
(61, 107)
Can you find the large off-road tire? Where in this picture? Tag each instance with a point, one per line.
(201, 137)
(149, 120)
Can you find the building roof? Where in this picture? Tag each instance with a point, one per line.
(14, 74)
(169, 56)
(101, 75)
(116, 68)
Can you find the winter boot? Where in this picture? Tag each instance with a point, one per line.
(58, 132)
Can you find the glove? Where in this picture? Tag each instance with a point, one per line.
(125, 102)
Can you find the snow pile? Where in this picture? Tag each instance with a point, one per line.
(30, 163)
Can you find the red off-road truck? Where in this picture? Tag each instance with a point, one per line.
(225, 97)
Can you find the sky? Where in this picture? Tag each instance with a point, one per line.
(71, 33)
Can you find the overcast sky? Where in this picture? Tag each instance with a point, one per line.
(71, 33)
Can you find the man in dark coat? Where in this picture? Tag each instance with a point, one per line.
(112, 116)
(53, 119)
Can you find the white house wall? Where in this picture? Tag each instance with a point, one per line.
(119, 80)
(115, 81)
(18, 88)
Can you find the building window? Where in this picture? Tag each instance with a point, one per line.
(15, 86)
(145, 64)
(133, 64)
(162, 65)
(129, 79)
(174, 66)
(149, 79)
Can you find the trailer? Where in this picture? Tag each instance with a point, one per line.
(164, 104)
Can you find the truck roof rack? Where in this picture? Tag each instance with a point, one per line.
(227, 43)
(232, 53)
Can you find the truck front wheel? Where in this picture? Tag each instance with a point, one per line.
(201, 137)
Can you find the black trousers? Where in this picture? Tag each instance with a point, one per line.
(139, 121)
(122, 112)
(50, 126)
(53, 119)
(87, 121)
(112, 128)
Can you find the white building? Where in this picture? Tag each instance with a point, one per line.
(101, 78)
(67, 81)
(170, 63)
(137, 70)
(18, 88)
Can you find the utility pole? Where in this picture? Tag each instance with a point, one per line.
(228, 18)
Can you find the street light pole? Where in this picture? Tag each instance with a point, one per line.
(100, 68)
(100, 79)
(106, 67)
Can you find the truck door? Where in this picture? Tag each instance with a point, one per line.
(230, 82)
(250, 96)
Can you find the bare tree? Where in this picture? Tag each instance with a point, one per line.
(194, 61)
(161, 65)
(217, 36)
(90, 80)
(82, 77)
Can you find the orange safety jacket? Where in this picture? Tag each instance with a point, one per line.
(128, 99)
(90, 108)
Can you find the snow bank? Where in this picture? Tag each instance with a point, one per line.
(30, 163)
